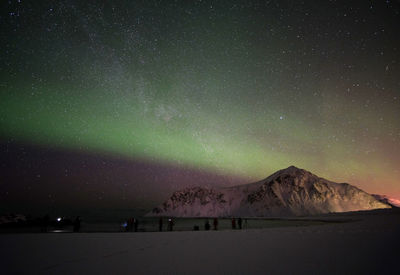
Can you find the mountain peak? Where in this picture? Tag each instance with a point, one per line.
(293, 168)
(292, 171)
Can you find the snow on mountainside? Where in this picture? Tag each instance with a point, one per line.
(288, 192)
(387, 200)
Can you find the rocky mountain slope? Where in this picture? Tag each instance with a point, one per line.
(385, 199)
(288, 192)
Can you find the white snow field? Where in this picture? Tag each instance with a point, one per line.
(368, 245)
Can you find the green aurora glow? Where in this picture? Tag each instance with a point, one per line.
(224, 94)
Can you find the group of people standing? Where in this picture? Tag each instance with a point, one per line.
(207, 224)
(132, 225)
(239, 223)
(236, 224)
(170, 224)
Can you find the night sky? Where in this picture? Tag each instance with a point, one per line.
(115, 105)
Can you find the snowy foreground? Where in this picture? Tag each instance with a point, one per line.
(368, 245)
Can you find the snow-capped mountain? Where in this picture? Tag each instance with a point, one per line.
(288, 192)
(387, 200)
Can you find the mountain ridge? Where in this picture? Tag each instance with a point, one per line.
(287, 192)
(385, 199)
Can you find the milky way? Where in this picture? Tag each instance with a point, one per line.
(236, 88)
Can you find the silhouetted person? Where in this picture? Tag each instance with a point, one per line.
(77, 224)
(245, 223)
(233, 223)
(44, 223)
(207, 225)
(130, 225)
(215, 223)
(170, 224)
(240, 223)
(136, 224)
(160, 224)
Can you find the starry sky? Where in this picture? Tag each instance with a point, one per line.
(118, 103)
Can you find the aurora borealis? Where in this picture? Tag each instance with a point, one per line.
(212, 90)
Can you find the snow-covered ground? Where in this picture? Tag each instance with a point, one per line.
(369, 245)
